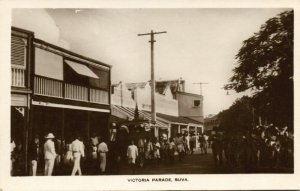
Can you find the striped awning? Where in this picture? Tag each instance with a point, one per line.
(142, 114)
(81, 69)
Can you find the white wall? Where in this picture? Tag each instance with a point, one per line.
(164, 103)
(124, 100)
(186, 106)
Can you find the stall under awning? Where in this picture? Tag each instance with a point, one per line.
(81, 69)
(146, 116)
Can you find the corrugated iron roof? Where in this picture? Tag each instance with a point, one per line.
(142, 114)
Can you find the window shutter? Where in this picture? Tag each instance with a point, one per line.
(18, 49)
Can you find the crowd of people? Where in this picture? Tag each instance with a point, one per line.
(54, 154)
(265, 146)
(164, 150)
(98, 156)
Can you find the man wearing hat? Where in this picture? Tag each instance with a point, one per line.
(34, 153)
(49, 154)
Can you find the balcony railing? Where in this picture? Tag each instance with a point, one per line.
(75, 92)
(98, 96)
(18, 77)
(54, 88)
(48, 87)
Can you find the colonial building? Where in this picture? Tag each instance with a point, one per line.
(21, 92)
(55, 90)
(170, 102)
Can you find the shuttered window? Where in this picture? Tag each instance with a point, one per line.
(18, 52)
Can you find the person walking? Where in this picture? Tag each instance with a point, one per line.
(141, 152)
(217, 150)
(203, 144)
(148, 151)
(49, 154)
(156, 150)
(192, 143)
(102, 150)
(132, 154)
(206, 137)
(171, 151)
(164, 148)
(180, 146)
(77, 148)
(12, 156)
(92, 154)
(34, 153)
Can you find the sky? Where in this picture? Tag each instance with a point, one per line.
(200, 44)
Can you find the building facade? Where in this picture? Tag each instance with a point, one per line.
(190, 106)
(129, 96)
(55, 90)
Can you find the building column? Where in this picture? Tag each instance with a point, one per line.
(88, 125)
(169, 131)
(178, 129)
(63, 128)
(188, 132)
(156, 131)
(196, 132)
(27, 132)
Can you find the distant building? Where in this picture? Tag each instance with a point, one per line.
(190, 106)
(169, 99)
(211, 122)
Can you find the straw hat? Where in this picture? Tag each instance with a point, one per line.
(49, 136)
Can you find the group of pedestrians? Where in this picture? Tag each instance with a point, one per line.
(52, 156)
(154, 151)
(265, 146)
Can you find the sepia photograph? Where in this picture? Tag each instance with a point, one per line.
(136, 91)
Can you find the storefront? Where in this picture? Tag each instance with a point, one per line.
(66, 123)
(54, 90)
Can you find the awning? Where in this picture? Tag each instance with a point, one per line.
(81, 69)
(130, 112)
(178, 119)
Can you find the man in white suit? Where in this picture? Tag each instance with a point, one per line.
(50, 154)
(78, 152)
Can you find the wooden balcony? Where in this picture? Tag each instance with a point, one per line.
(75, 92)
(48, 87)
(17, 77)
(98, 96)
(44, 86)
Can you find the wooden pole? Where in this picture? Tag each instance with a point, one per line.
(153, 109)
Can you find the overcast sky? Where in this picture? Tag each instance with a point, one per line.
(200, 44)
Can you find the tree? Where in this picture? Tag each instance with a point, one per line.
(265, 66)
(238, 118)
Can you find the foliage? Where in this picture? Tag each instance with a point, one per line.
(238, 118)
(265, 66)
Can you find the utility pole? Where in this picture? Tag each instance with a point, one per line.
(152, 41)
(200, 83)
